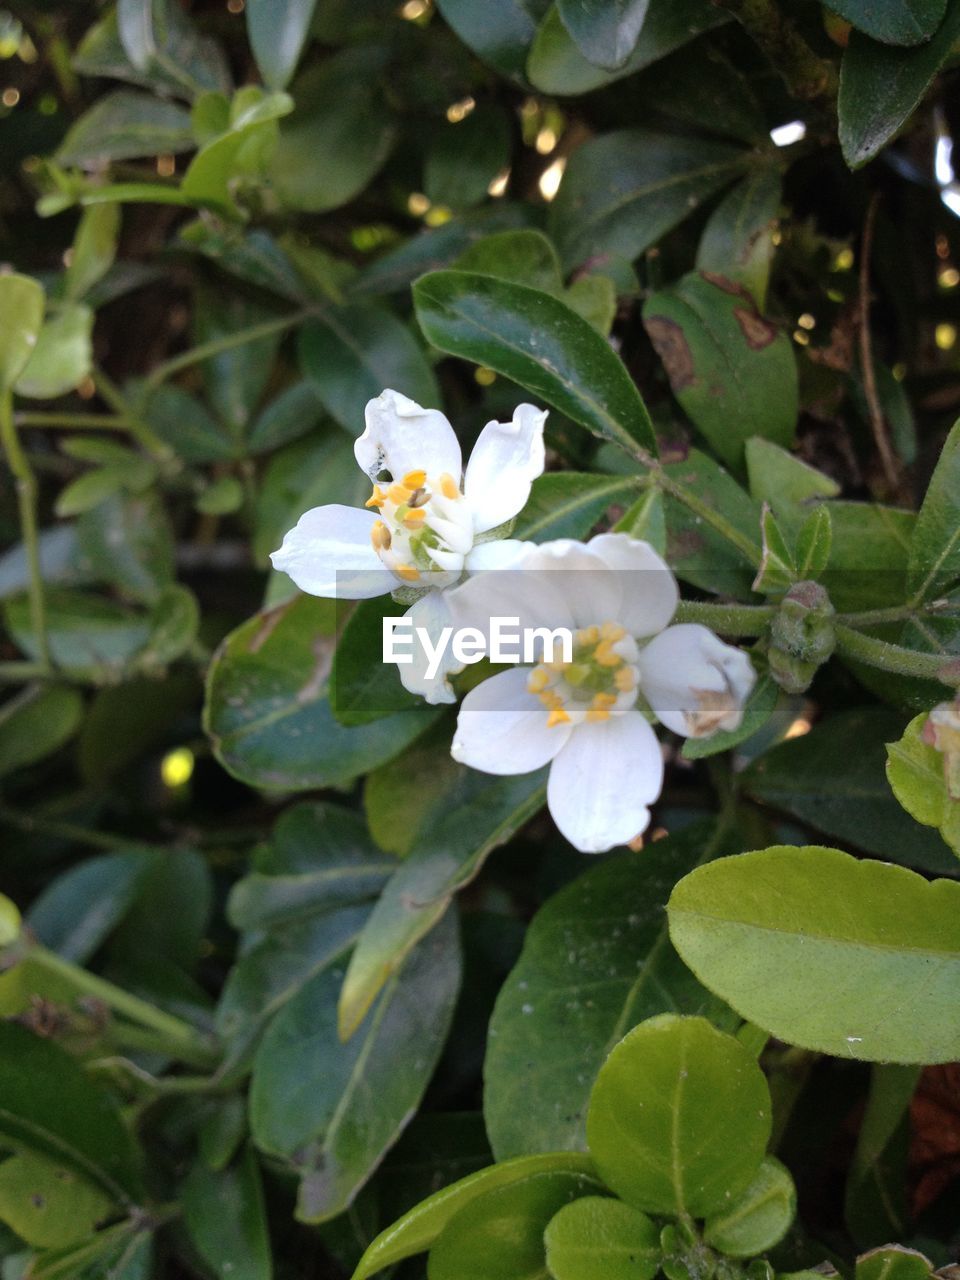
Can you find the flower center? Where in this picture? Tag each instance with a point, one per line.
(601, 681)
(424, 527)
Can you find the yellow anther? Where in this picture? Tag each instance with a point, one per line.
(377, 498)
(605, 656)
(414, 479)
(448, 486)
(539, 679)
(557, 716)
(612, 631)
(408, 572)
(596, 714)
(414, 519)
(601, 700)
(380, 536)
(398, 494)
(587, 635)
(625, 679)
(550, 699)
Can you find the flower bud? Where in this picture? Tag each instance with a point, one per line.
(802, 636)
(942, 732)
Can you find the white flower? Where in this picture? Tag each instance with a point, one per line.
(424, 523)
(583, 717)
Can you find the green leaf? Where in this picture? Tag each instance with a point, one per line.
(501, 1233)
(51, 1108)
(162, 43)
(916, 773)
(538, 342)
(226, 1218)
(875, 1203)
(21, 320)
(363, 687)
(94, 249)
(338, 137)
(596, 961)
(47, 1204)
(240, 153)
(125, 125)
(499, 34)
(699, 86)
(449, 853)
(351, 353)
(557, 66)
(777, 570)
(737, 241)
(760, 1216)
(567, 504)
(333, 1109)
(289, 416)
(63, 354)
(222, 498)
(268, 714)
(868, 555)
(404, 796)
(524, 256)
(814, 543)
(125, 722)
(417, 1230)
(731, 369)
(127, 540)
(894, 21)
(604, 33)
(90, 638)
(880, 86)
(79, 910)
(893, 1262)
(182, 422)
(679, 1116)
(174, 619)
(834, 779)
(622, 191)
(935, 547)
(85, 492)
(463, 159)
(235, 379)
(596, 1238)
(857, 959)
(35, 723)
(278, 33)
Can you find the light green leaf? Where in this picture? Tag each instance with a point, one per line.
(241, 152)
(94, 249)
(63, 354)
(598, 1238)
(124, 126)
(538, 342)
(916, 774)
(935, 547)
(893, 1262)
(857, 959)
(759, 1218)
(47, 1204)
(21, 319)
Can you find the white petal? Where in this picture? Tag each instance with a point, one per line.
(502, 727)
(329, 554)
(535, 599)
(694, 682)
(592, 590)
(502, 553)
(603, 781)
(507, 457)
(431, 614)
(650, 592)
(401, 436)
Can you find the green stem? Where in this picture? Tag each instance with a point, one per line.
(728, 619)
(81, 421)
(896, 613)
(141, 432)
(178, 1036)
(805, 74)
(894, 658)
(33, 825)
(137, 1039)
(26, 485)
(216, 346)
(18, 672)
(693, 502)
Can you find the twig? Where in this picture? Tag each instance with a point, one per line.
(878, 423)
(806, 75)
(27, 501)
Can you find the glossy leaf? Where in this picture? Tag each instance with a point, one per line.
(622, 191)
(62, 355)
(80, 909)
(857, 959)
(538, 342)
(731, 369)
(124, 126)
(278, 33)
(880, 85)
(363, 687)
(267, 709)
(679, 1117)
(463, 159)
(567, 504)
(604, 33)
(894, 21)
(935, 547)
(916, 772)
(759, 1218)
(596, 961)
(500, 34)
(334, 1108)
(598, 1238)
(737, 241)
(160, 40)
(417, 1230)
(225, 1217)
(35, 723)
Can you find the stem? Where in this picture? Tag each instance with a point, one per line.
(894, 658)
(16, 672)
(878, 423)
(32, 825)
(178, 1035)
(805, 74)
(141, 432)
(897, 613)
(206, 350)
(81, 421)
(26, 485)
(744, 544)
(727, 619)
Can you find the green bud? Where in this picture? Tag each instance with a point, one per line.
(802, 636)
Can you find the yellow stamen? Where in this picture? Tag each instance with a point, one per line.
(380, 536)
(539, 679)
(605, 656)
(398, 494)
(557, 716)
(550, 698)
(612, 631)
(597, 714)
(625, 679)
(377, 498)
(587, 635)
(408, 572)
(448, 486)
(602, 700)
(414, 519)
(414, 479)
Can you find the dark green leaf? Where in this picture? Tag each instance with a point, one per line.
(363, 687)
(123, 126)
(737, 241)
(605, 33)
(235, 379)
(875, 1204)
(182, 422)
(463, 159)
(567, 504)
(77, 912)
(162, 42)
(35, 723)
(894, 21)
(935, 547)
(500, 33)
(292, 414)
(127, 540)
(226, 1218)
(278, 33)
(90, 638)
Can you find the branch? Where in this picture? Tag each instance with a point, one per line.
(805, 74)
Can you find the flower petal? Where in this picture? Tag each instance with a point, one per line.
(593, 592)
(401, 437)
(603, 781)
(502, 553)
(506, 459)
(329, 553)
(535, 599)
(429, 613)
(650, 593)
(694, 682)
(502, 728)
